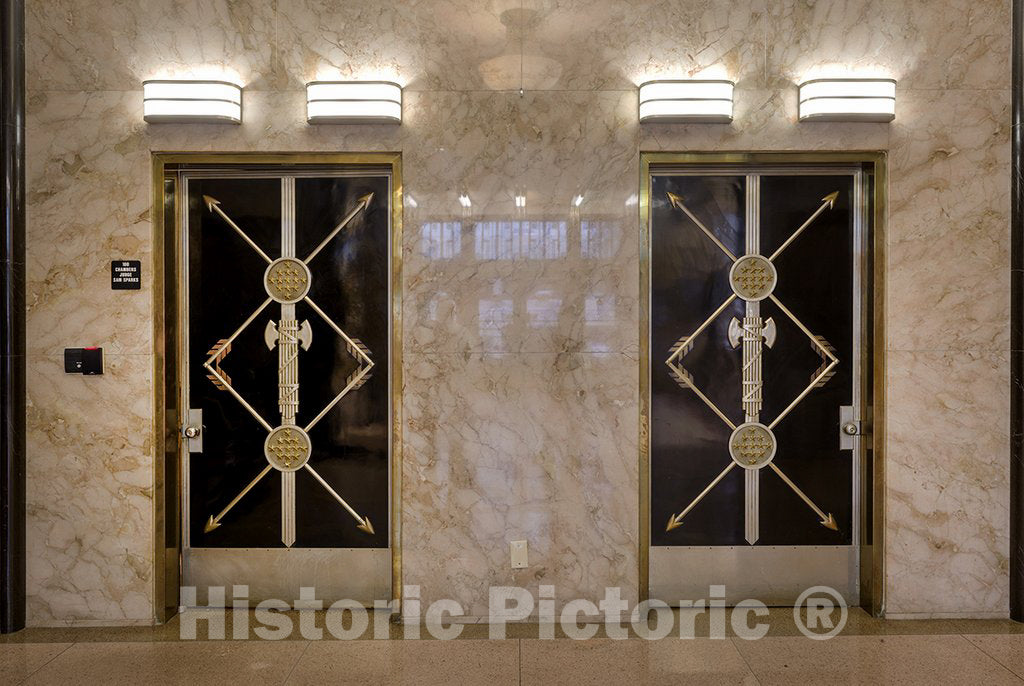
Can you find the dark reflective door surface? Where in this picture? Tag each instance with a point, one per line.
(754, 348)
(287, 350)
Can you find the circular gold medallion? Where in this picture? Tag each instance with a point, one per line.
(287, 280)
(287, 448)
(752, 445)
(753, 277)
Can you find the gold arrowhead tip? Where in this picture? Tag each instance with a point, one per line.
(211, 524)
(830, 523)
(676, 200)
(210, 202)
(831, 199)
(366, 199)
(366, 526)
(672, 523)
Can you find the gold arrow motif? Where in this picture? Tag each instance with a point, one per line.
(356, 348)
(823, 373)
(218, 352)
(363, 203)
(677, 202)
(215, 372)
(673, 522)
(214, 206)
(827, 203)
(364, 522)
(213, 522)
(827, 520)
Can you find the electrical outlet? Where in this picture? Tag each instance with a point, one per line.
(519, 554)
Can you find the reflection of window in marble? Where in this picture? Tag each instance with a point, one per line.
(542, 309)
(440, 240)
(599, 240)
(599, 315)
(440, 306)
(599, 310)
(495, 316)
(510, 240)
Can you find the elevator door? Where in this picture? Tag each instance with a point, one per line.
(755, 357)
(286, 374)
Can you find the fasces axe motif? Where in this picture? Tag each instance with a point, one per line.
(752, 444)
(287, 281)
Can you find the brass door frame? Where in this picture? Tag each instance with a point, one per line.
(872, 529)
(166, 428)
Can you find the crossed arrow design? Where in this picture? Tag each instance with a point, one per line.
(752, 444)
(287, 447)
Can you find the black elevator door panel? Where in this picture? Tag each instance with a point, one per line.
(689, 280)
(350, 445)
(224, 286)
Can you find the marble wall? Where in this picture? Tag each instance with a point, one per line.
(520, 339)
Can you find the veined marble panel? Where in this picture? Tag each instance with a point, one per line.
(540, 447)
(79, 45)
(949, 159)
(87, 204)
(557, 274)
(422, 44)
(90, 491)
(950, 290)
(948, 230)
(947, 482)
(937, 44)
(522, 286)
(619, 44)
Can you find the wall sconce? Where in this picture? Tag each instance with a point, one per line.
(686, 101)
(353, 102)
(215, 102)
(848, 100)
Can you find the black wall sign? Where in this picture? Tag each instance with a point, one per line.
(126, 275)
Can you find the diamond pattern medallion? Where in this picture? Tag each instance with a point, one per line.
(287, 448)
(287, 280)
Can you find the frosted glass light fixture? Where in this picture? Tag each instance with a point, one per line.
(848, 100)
(353, 102)
(216, 102)
(686, 101)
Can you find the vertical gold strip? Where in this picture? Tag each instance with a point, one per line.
(156, 267)
(878, 385)
(644, 521)
(396, 379)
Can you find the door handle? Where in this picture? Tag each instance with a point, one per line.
(193, 431)
(849, 428)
